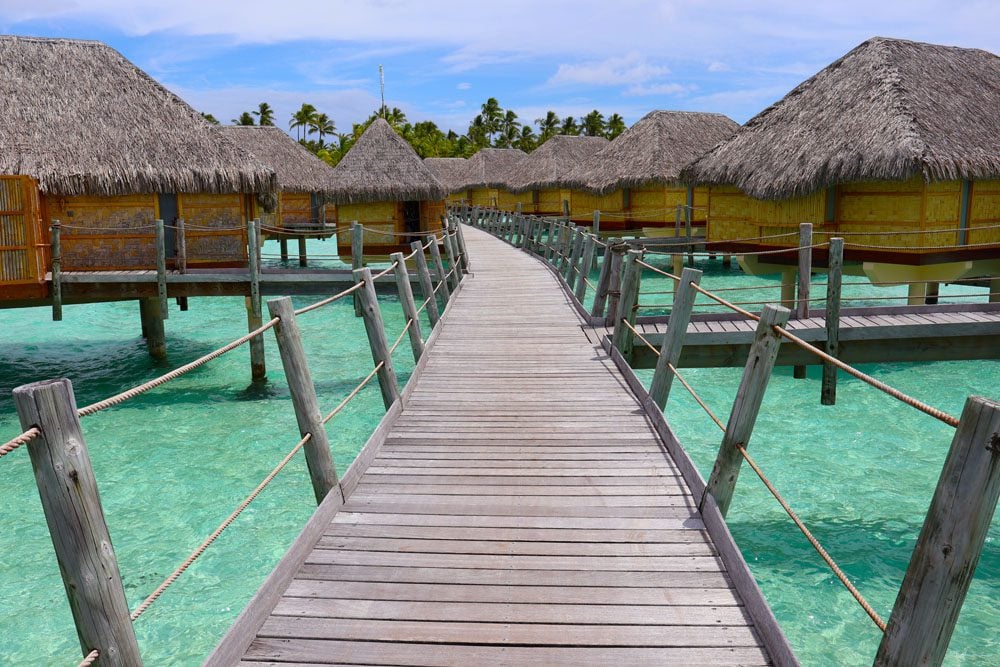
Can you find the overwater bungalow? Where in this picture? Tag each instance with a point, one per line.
(539, 182)
(384, 185)
(451, 172)
(304, 183)
(487, 173)
(88, 139)
(633, 181)
(895, 147)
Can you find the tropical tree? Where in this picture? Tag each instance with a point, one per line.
(527, 142)
(493, 117)
(323, 125)
(477, 133)
(301, 120)
(615, 126)
(547, 126)
(264, 113)
(593, 124)
(244, 119)
(210, 118)
(569, 126)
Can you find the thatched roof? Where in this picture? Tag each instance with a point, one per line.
(490, 167)
(81, 119)
(654, 150)
(297, 169)
(548, 165)
(381, 166)
(449, 170)
(887, 110)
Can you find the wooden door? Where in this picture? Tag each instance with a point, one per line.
(22, 251)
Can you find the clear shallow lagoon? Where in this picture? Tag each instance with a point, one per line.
(172, 464)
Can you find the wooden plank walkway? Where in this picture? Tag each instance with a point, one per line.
(521, 510)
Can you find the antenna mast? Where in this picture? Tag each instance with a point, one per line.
(381, 84)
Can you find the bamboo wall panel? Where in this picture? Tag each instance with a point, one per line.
(22, 260)
(550, 201)
(728, 214)
(106, 233)
(296, 209)
(430, 215)
(508, 201)
(657, 204)
(215, 228)
(460, 197)
(984, 211)
(582, 204)
(483, 197)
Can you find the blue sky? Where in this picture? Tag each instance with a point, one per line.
(443, 58)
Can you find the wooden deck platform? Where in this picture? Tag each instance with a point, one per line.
(520, 507)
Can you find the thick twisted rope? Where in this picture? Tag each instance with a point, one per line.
(19, 440)
(399, 339)
(656, 270)
(333, 413)
(90, 659)
(330, 299)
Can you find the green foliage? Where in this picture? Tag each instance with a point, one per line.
(264, 113)
(244, 119)
(211, 119)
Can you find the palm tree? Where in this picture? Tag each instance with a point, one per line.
(264, 113)
(593, 124)
(393, 116)
(210, 118)
(323, 125)
(547, 126)
(493, 117)
(301, 120)
(615, 126)
(509, 130)
(477, 132)
(527, 142)
(244, 119)
(569, 126)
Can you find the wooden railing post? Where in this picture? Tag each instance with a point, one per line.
(180, 241)
(255, 314)
(749, 396)
(439, 269)
(586, 261)
(950, 543)
(357, 258)
(550, 240)
(565, 210)
(576, 247)
(673, 340)
(463, 249)
(805, 276)
(677, 222)
(615, 279)
(56, 271)
(300, 384)
(426, 286)
(603, 279)
(834, 280)
(375, 330)
(454, 269)
(566, 247)
(528, 242)
(406, 301)
(596, 228)
(303, 256)
(687, 234)
(73, 512)
(161, 269)
(623, 337)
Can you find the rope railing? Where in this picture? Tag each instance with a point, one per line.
(424, 304)
(654, 269)
(991, 244)
(340, 406)
(19, 440)
(90, 658)
(331, 299)
(402, 334)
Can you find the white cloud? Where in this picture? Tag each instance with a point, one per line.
(465, 85)
(631, 68)
(717, 66)
(641, 90)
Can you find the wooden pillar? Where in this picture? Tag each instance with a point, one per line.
(615, 279)
(687, 234)
(805, 277)
(180, 241)
(550, 240)
(426, 286)
(303, 258)
(454, 270)
(950, 543)
(409, 307)
(463, 249)
(576, 247)
(596, 229)
(442, 276)
(623, 338)
(357, 258)
(255, 314)
(565, 210)
(933, 291)
(603, 280)
(749, 396)
(72, 506)
(283, 244)
(673, 340)
(152, 327)
(566, 247)
(788, 288)
(300, 384)
(834, 281)
(676, 267)
(994, 290)
(56, 271)
(916, 294)
(586, 262)
(677, 222)
(727, 260)
(376, 338)
(161, 269)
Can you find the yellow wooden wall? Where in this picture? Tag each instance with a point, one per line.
(508, 201)
(215, 228)
(984, 212)
(105, 233)
(383, 223)
(656, 204)
(484, 197)
(460, 197)
(296, 209)
(582, 204)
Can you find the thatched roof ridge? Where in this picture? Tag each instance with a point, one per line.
(490, 167)
(297, 169)
(449, 170)
(654, 150)
(81, 119)
(888, 110)
(381, 166)
(549, 165)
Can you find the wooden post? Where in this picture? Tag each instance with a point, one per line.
(788, 288)
(161, 269)
(805, 276)
(406, 301)
(300, 383)
(565, 210)
(615, 279)
(283, 244)
(933, 292)
(596, 229)
(576, 247)
(75, 519)
(677, 267)
(462, 247)
(439, 269)
(376, 338)
(550, 240)
(994, 290)
(357, 258)
(152, 327)
(687, 234)
(180, 241)
(950, 542)
(56, 271)
(454, 270)
(566, 246)
(673, 340)
(426, 286)
(623, 337)
(255, 314)
(528, 242)
(749, 396)
(586, 261)
(834, 281)
(727, 260)
(303, 258)
(677, 222)
(603, 280)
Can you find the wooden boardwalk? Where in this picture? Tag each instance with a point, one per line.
(520, 509)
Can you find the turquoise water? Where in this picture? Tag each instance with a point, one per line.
(172, 464)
